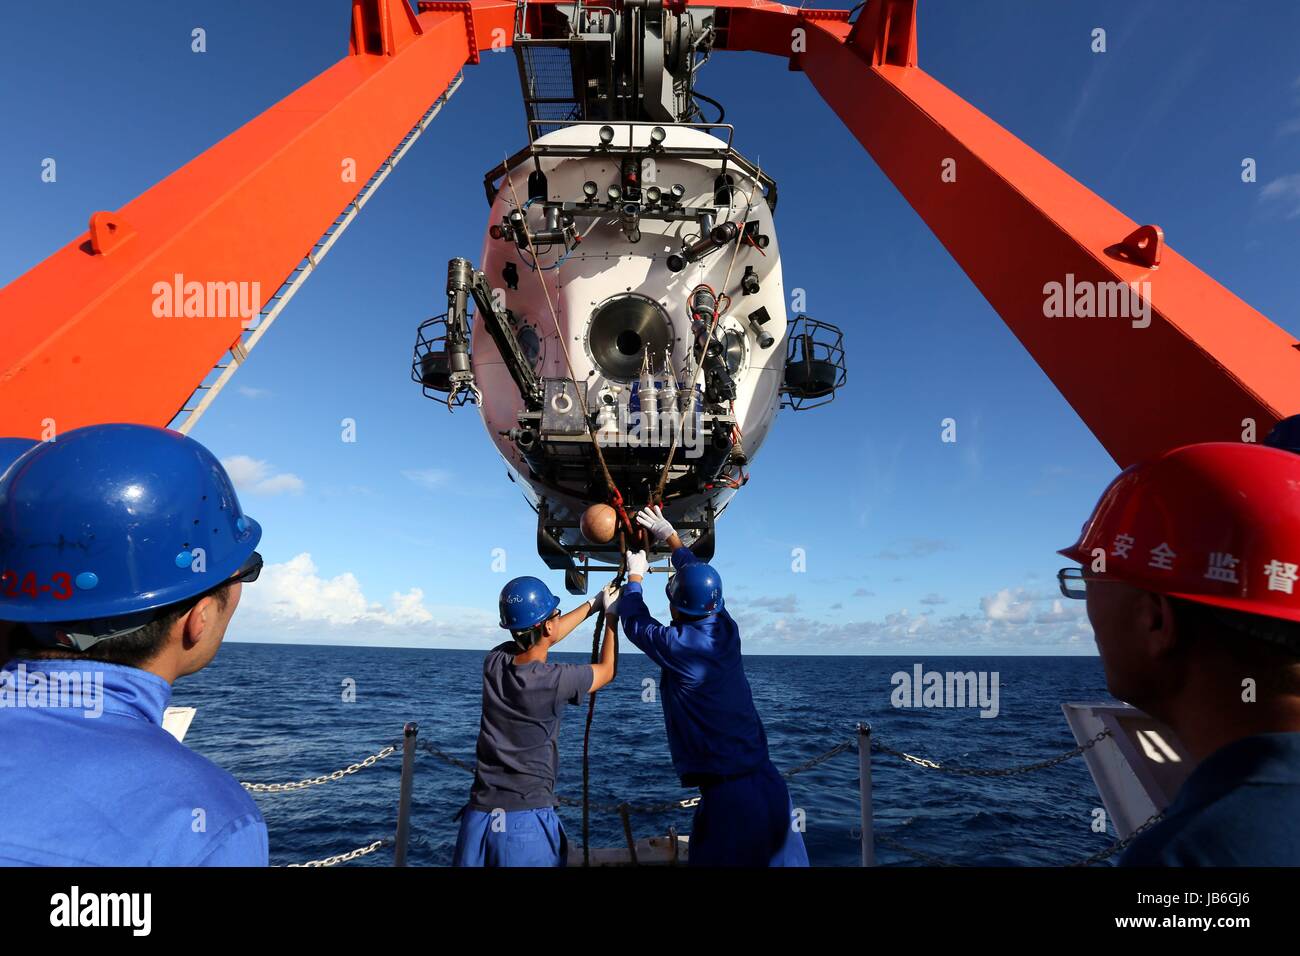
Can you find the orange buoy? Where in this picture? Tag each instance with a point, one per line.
(599, 522)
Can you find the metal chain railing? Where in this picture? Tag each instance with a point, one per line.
(349, 856)
(445, 757)
(996, 771)
(688, 803)
(1121, 844)
(925, 858)
(323, 778)
(850, 744)
(691, 802)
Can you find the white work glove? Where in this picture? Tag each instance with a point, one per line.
(637, 563)
(605, 598)
(651, 517)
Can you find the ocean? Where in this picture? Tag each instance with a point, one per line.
(276, 713)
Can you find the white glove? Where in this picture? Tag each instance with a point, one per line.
(606, 598)
(651, 517)
(637, 563)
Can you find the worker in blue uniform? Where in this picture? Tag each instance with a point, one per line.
(745, 816)
(510, 819)
(124, 551)
(11, 449)
(1191, 562)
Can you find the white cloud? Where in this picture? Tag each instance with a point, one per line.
(256, 476)
(1008, 605)
(1285, 191)
(295, 597)
(787, 604)
(430, 479)
(1012, 620)
(249, 391)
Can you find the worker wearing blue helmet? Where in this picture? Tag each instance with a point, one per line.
(124, 551)
(715, 736)
(510, 819)
(11, 449)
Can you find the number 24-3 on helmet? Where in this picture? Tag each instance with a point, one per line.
(116, 519)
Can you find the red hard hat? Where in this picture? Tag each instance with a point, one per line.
(1216, 523)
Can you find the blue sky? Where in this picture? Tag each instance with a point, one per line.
(912, 545)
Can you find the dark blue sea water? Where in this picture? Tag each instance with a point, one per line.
(272, 713)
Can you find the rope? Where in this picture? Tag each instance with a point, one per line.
(616, 499)
(323, 778)
(658, 496)
(615, 496)
(591, 707)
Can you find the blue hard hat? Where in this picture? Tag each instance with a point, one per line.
(525, 603)
(1285, 434)
(114, 520)
(695, 590)
(11, 449)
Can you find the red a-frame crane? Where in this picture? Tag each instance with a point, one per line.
(267, 201)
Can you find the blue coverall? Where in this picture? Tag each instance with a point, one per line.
(1237, 808)
(715, 736)
(88, 776)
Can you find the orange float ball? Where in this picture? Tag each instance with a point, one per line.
(599, 522)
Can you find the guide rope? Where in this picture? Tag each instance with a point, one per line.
(591, 706)
(615, 496)
(615, 501)
(658, 496)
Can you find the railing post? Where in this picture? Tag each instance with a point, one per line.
(409, 733)
(864, 789)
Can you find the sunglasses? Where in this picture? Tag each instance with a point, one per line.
(1074, 584)
(248, 571)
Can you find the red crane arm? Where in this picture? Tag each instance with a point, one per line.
(249, 208)
(1205, 365)
(84, 341)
